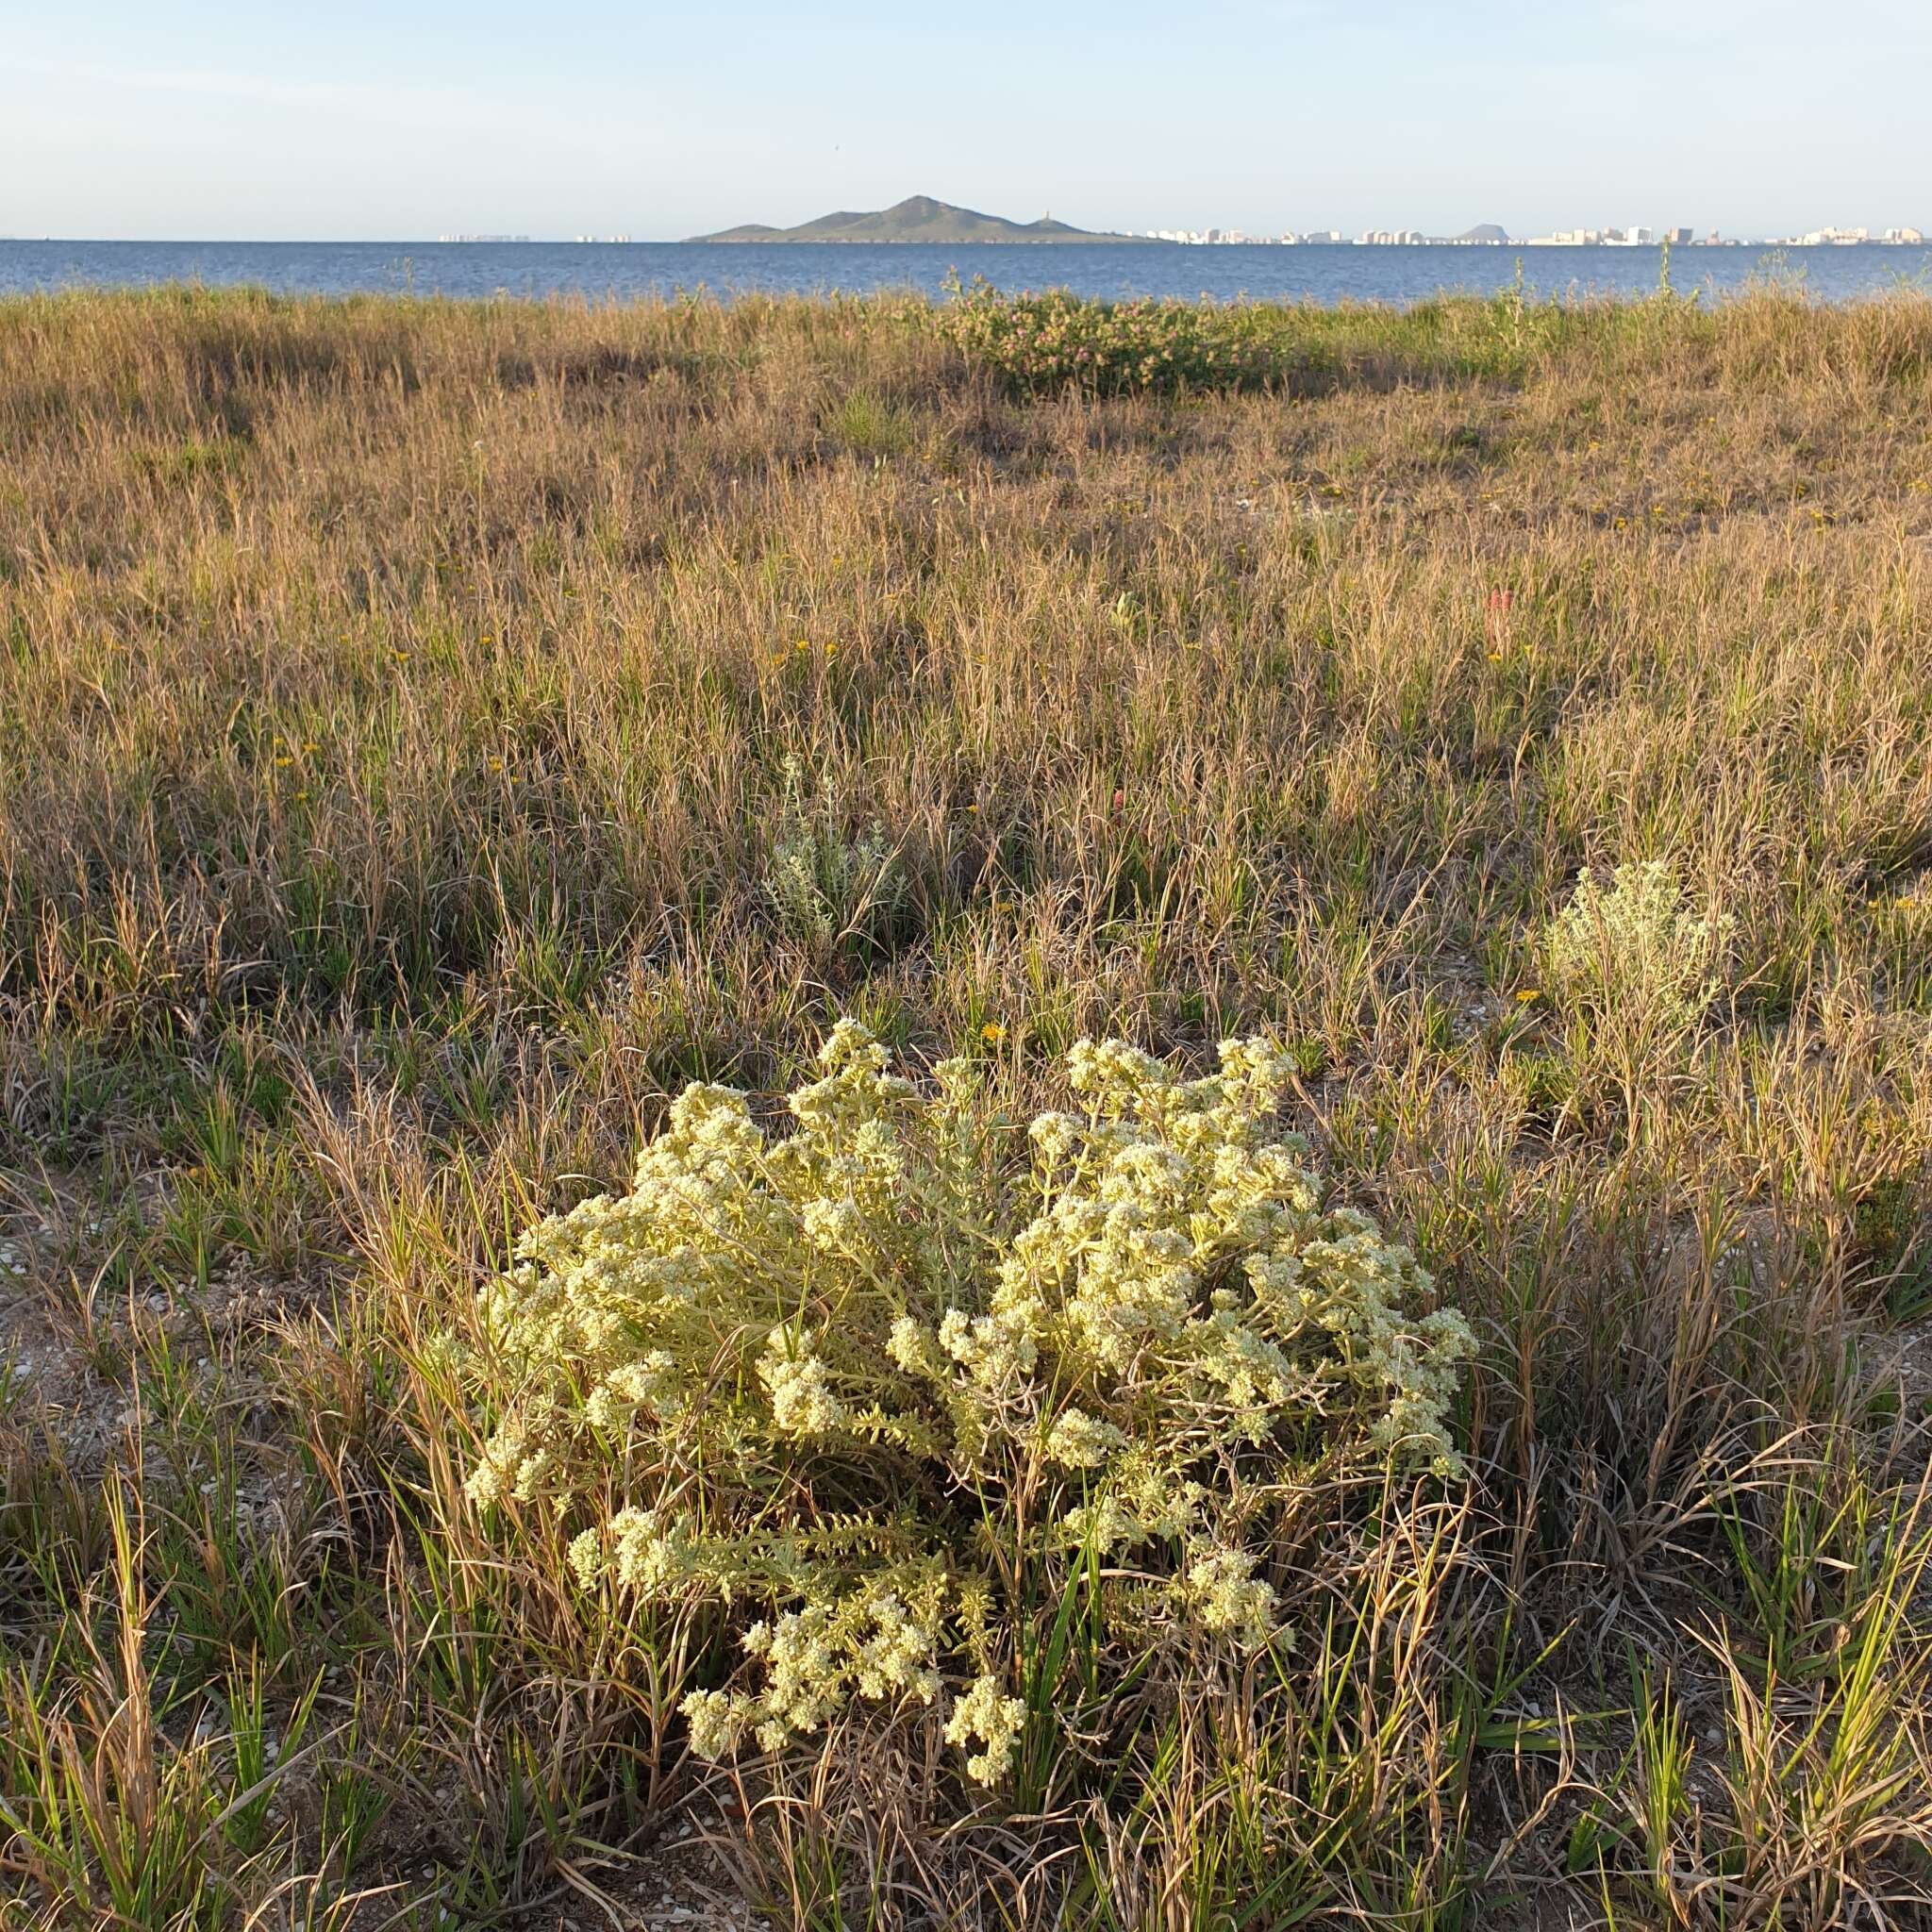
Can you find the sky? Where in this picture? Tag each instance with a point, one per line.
(231, 119)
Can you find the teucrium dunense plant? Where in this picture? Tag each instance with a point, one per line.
(1633, 969)
(875, 1385)
(1634, 945)
(825, 887)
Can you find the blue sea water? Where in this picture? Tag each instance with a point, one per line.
(619, 272)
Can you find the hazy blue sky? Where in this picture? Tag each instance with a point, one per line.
(219, 117)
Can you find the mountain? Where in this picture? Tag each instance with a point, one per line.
(919, 218)
(1484, 231)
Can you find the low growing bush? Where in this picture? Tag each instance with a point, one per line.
(829, 890)
(1632, 969)
(1057, 340)
(882, 1390)
(1634, 944)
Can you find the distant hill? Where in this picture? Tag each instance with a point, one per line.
(918, 218)
(1484, 231)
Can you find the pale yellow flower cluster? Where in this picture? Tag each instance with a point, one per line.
(800, 1386)
(816, 1660)
(1220, 1588)
(837, 1371)
(1079, 1440)
(988, 1714)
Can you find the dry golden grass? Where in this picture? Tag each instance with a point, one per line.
(394, 707)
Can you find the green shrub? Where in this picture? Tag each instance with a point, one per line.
(881, 1389)
(1057, 340)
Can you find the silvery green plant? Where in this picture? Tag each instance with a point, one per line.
(1633, 946)
(874, 1388)
(1633, 969)
(825, 887)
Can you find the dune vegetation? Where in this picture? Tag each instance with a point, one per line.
(850, 1114)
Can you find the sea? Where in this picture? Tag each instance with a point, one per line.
(620, 272)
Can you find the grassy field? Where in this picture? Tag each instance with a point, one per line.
(432, 735)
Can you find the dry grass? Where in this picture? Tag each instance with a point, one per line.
(395, 701)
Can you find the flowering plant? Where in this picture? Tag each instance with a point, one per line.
(1055, 339)
(875, 1386)
(1634, 945)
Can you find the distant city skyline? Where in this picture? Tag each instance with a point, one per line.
(212, 120)
(1636, 235)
